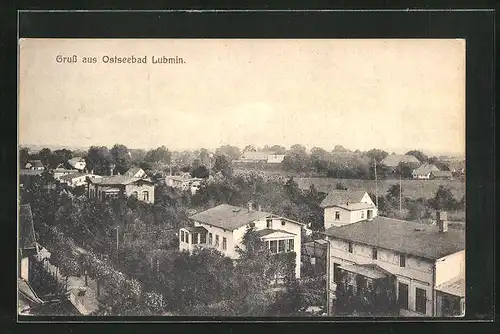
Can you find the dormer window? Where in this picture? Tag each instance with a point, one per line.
(337, 215)
(269, 223)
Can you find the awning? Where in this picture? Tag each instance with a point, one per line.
(455, 287)
(368, 270)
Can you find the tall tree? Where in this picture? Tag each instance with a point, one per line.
(99, 160)
(223, 165)
(121, 157)
(232, 152)
(45, 154)
(277, 149)
(376, 154)
(419, 155)
(249, 148)
(24, 155)
(159, 155)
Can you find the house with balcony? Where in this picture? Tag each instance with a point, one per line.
(342, 207)
(112, 187)
(418, 270)
(224, 226)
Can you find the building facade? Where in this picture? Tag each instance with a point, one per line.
(422, 267)
(424, 172)
(342, 207)
(112, 187)
(224, 226)
(78, 179)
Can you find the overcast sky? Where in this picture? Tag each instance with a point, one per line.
(362, 94)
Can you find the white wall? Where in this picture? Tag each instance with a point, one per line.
(25, 269)
(418, 272)
(230, 251)
(450, 267)
(346, 216)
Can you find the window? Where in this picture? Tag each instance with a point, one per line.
(267, 245)
(194, 238)
(274, 246)
(145, 195)
(420, 300)
(336, 272)
(403, 295)
(283, 223)
(203, 238)
(269, 223)
(281, 246)
(369, 214)
(186, 235)
(290, 245)
(362, 214)
(135, 194)
(374, 253)
(224, 243)
(337, 215)
(209, 238)
(182, 235)
(349, 247)
(402, 260)
(216, 241)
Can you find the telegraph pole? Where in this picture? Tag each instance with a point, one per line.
(376, 182)
(400, 192)
(117, 240)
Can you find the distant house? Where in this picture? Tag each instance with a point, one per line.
(34, 165)
(393, 160)
(262, 157)
(61, 171)
(135, 172)
(112, 187)
(342, 207)
(77, 163)
(224, 226)
(442, 175)
(424, 172)
(77, 179)
(183, 182)
(456, 166)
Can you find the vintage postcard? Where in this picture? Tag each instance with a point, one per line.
(242, 177)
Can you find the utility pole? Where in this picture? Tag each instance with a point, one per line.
(117, 240)
(400, 193)
(376, 183)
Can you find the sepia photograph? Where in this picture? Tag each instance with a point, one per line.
(241, 177)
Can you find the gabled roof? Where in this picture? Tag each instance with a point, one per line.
(425, 169)
(228, 217)
(132, 171)
(36, 163)
(342, 197)
(26, 228)
(402, 236)
(196, 229)
(393, 160)
(71, 176)
(118, 180)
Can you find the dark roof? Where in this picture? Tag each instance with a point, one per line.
(26, 228)
(132, 171)
(393, 160)
(402, 236)
(228, 217)
(425, 169)
(118, 180)
(341, 197)
(355, 206)
(36, 163)
(196, 229)
(267, 231)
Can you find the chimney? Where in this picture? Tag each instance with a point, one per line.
(442, 221)
(250, 206)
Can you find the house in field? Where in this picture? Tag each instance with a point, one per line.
(136, 172)
(34, 165)
(224, 226)
(77, 179)
(424, 172)
(112, 187)
(342, 207)
(393, 160)
(260, 158)
(442, 175)
(77, 163)
(419, 269)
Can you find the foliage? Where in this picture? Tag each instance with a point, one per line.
(222, 165)
(232, 152)
(443, 200)
(200, 172)
(121, 158)
(419, 155)
(99, 159)
(159, 155)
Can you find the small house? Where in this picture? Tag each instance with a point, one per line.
(424, 172)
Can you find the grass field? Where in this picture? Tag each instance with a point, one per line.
(411, 188)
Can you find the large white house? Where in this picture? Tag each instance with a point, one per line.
(424, 172)
(343, 207)
(423, 265)
(224, 226)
